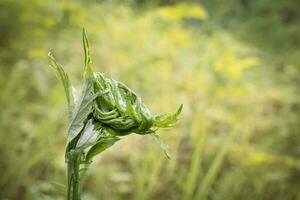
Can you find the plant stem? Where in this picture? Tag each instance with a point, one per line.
(74, 159)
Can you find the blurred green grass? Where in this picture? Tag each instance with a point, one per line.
(234, 65)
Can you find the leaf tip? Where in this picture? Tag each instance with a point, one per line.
(85, 41)
(179, 109)
(52, 60)
(50, 56)
(84, 33)
(88, 72)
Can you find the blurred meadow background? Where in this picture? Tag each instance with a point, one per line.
(235, 65)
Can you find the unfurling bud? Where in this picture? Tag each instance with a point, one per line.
(106, 110)
(119, 108)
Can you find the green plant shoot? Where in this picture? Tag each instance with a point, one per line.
(104, 112)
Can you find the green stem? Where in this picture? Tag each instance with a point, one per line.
(74, 159)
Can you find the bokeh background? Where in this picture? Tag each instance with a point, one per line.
(235, 65)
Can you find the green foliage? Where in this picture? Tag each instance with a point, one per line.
(270, 26)
(116, 111)
(234, 64)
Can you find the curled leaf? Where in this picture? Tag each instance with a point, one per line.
(165, 121)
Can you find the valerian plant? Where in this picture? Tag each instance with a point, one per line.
(104, 112)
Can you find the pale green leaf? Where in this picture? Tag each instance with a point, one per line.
(101, 145)
(82, 109)
(63, 76)
(165, 121)
(89, 135)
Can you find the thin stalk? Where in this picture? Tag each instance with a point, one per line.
(74, 188)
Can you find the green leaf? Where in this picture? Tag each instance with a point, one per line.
(162, 144)
(82, 109)
(63, 76)
(88, 71)
(165, 121)
(101, 145)
(89, 135)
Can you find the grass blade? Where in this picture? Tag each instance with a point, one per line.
(210, 176)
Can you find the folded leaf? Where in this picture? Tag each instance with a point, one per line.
(89, 135)
(100, 146)
(82, 109)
